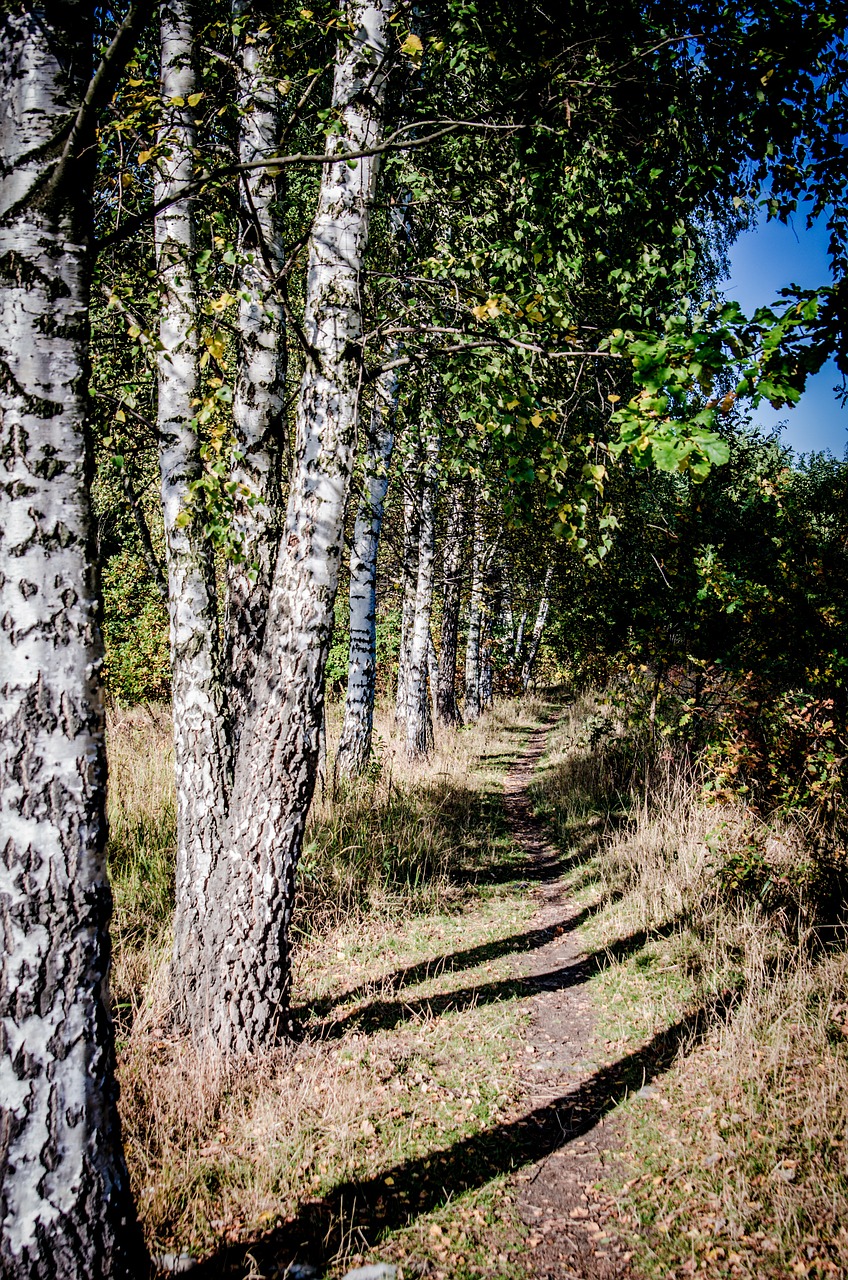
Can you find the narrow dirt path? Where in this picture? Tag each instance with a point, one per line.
(568, 1220)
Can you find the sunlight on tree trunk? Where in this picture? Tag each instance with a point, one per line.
(259, 393)
(419, 723)
(355, 745)
(538, 629)
(201, 747)
(65, 1203)
(275, 772)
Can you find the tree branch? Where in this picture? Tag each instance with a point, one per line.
(392, 143)
(101, 87)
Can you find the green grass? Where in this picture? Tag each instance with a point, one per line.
(734, 1160)
(411, 910)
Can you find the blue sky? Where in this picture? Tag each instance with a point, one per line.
(764, 260)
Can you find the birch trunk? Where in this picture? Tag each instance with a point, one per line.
(475, 611)
(355, 744)
(259, 394)
(65, 1206)
(447, 709)
(486, 671)
(409, 578)
(201, 751)
(419, 723)
(249, 972)
(519, 639)
(538, 629)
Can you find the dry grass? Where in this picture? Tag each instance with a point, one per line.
(738, 1158)
(411, 906)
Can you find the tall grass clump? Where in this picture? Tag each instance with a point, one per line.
(706, 905)
(396, 868)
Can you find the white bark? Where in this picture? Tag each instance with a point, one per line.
(519, 639)
(65, 1207)
(259, 393)
(419, 723)
(201, 751)
(538, 629)
(446, 705)
(475, 609)
(355, 743)
(275, 772)
(409, 584)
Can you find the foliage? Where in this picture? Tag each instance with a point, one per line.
(135, 632)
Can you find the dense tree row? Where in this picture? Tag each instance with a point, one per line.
(258, 259)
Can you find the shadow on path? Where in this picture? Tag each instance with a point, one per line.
(383, 1015)
(363, 1211)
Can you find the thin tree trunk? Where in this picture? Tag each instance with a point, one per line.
(536, 637)
(419, 724)
(432, 678)
(259, 394)
(475, 610)
(201, 749)
(519, 639)
(446, 705)
(409, 580)
(247, 1000)
(355, 744)
(65, 1205)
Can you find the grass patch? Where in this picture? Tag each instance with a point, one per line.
(411, 908)
(735, 1160)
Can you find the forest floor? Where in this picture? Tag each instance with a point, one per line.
(523, 1051)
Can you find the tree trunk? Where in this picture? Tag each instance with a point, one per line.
(536, 637)
(419, 723)
(247, 997)
(475, 610)
(486, 669)
(201, 749)
(432, 677)
(259, 394)
(409, 581)
(519, 640)
(65, 1206)
(355, 744)
(447, 709)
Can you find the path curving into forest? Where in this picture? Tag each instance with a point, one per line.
(569, 1094)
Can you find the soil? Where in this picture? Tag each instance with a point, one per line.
(570, 1095)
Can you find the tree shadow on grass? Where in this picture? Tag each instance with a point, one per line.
(364, 1211)
(385, 1015)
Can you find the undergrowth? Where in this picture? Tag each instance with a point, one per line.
(411, 906)
(718, 926)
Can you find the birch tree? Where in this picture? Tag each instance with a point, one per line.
(201, 739)
(419, 724)
(475, 617)
(446, 704)
(259, 393)
(65, 1204)
(245, 999)
(355, 744)
(537, 632)
(409, 585)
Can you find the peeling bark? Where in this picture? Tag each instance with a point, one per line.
(201, 748)
(419, 722)
(65, 1206)
(259, 394)
(355, 743)
(249, 968)
(446, 705)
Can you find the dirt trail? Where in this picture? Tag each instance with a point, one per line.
(564, 1084)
